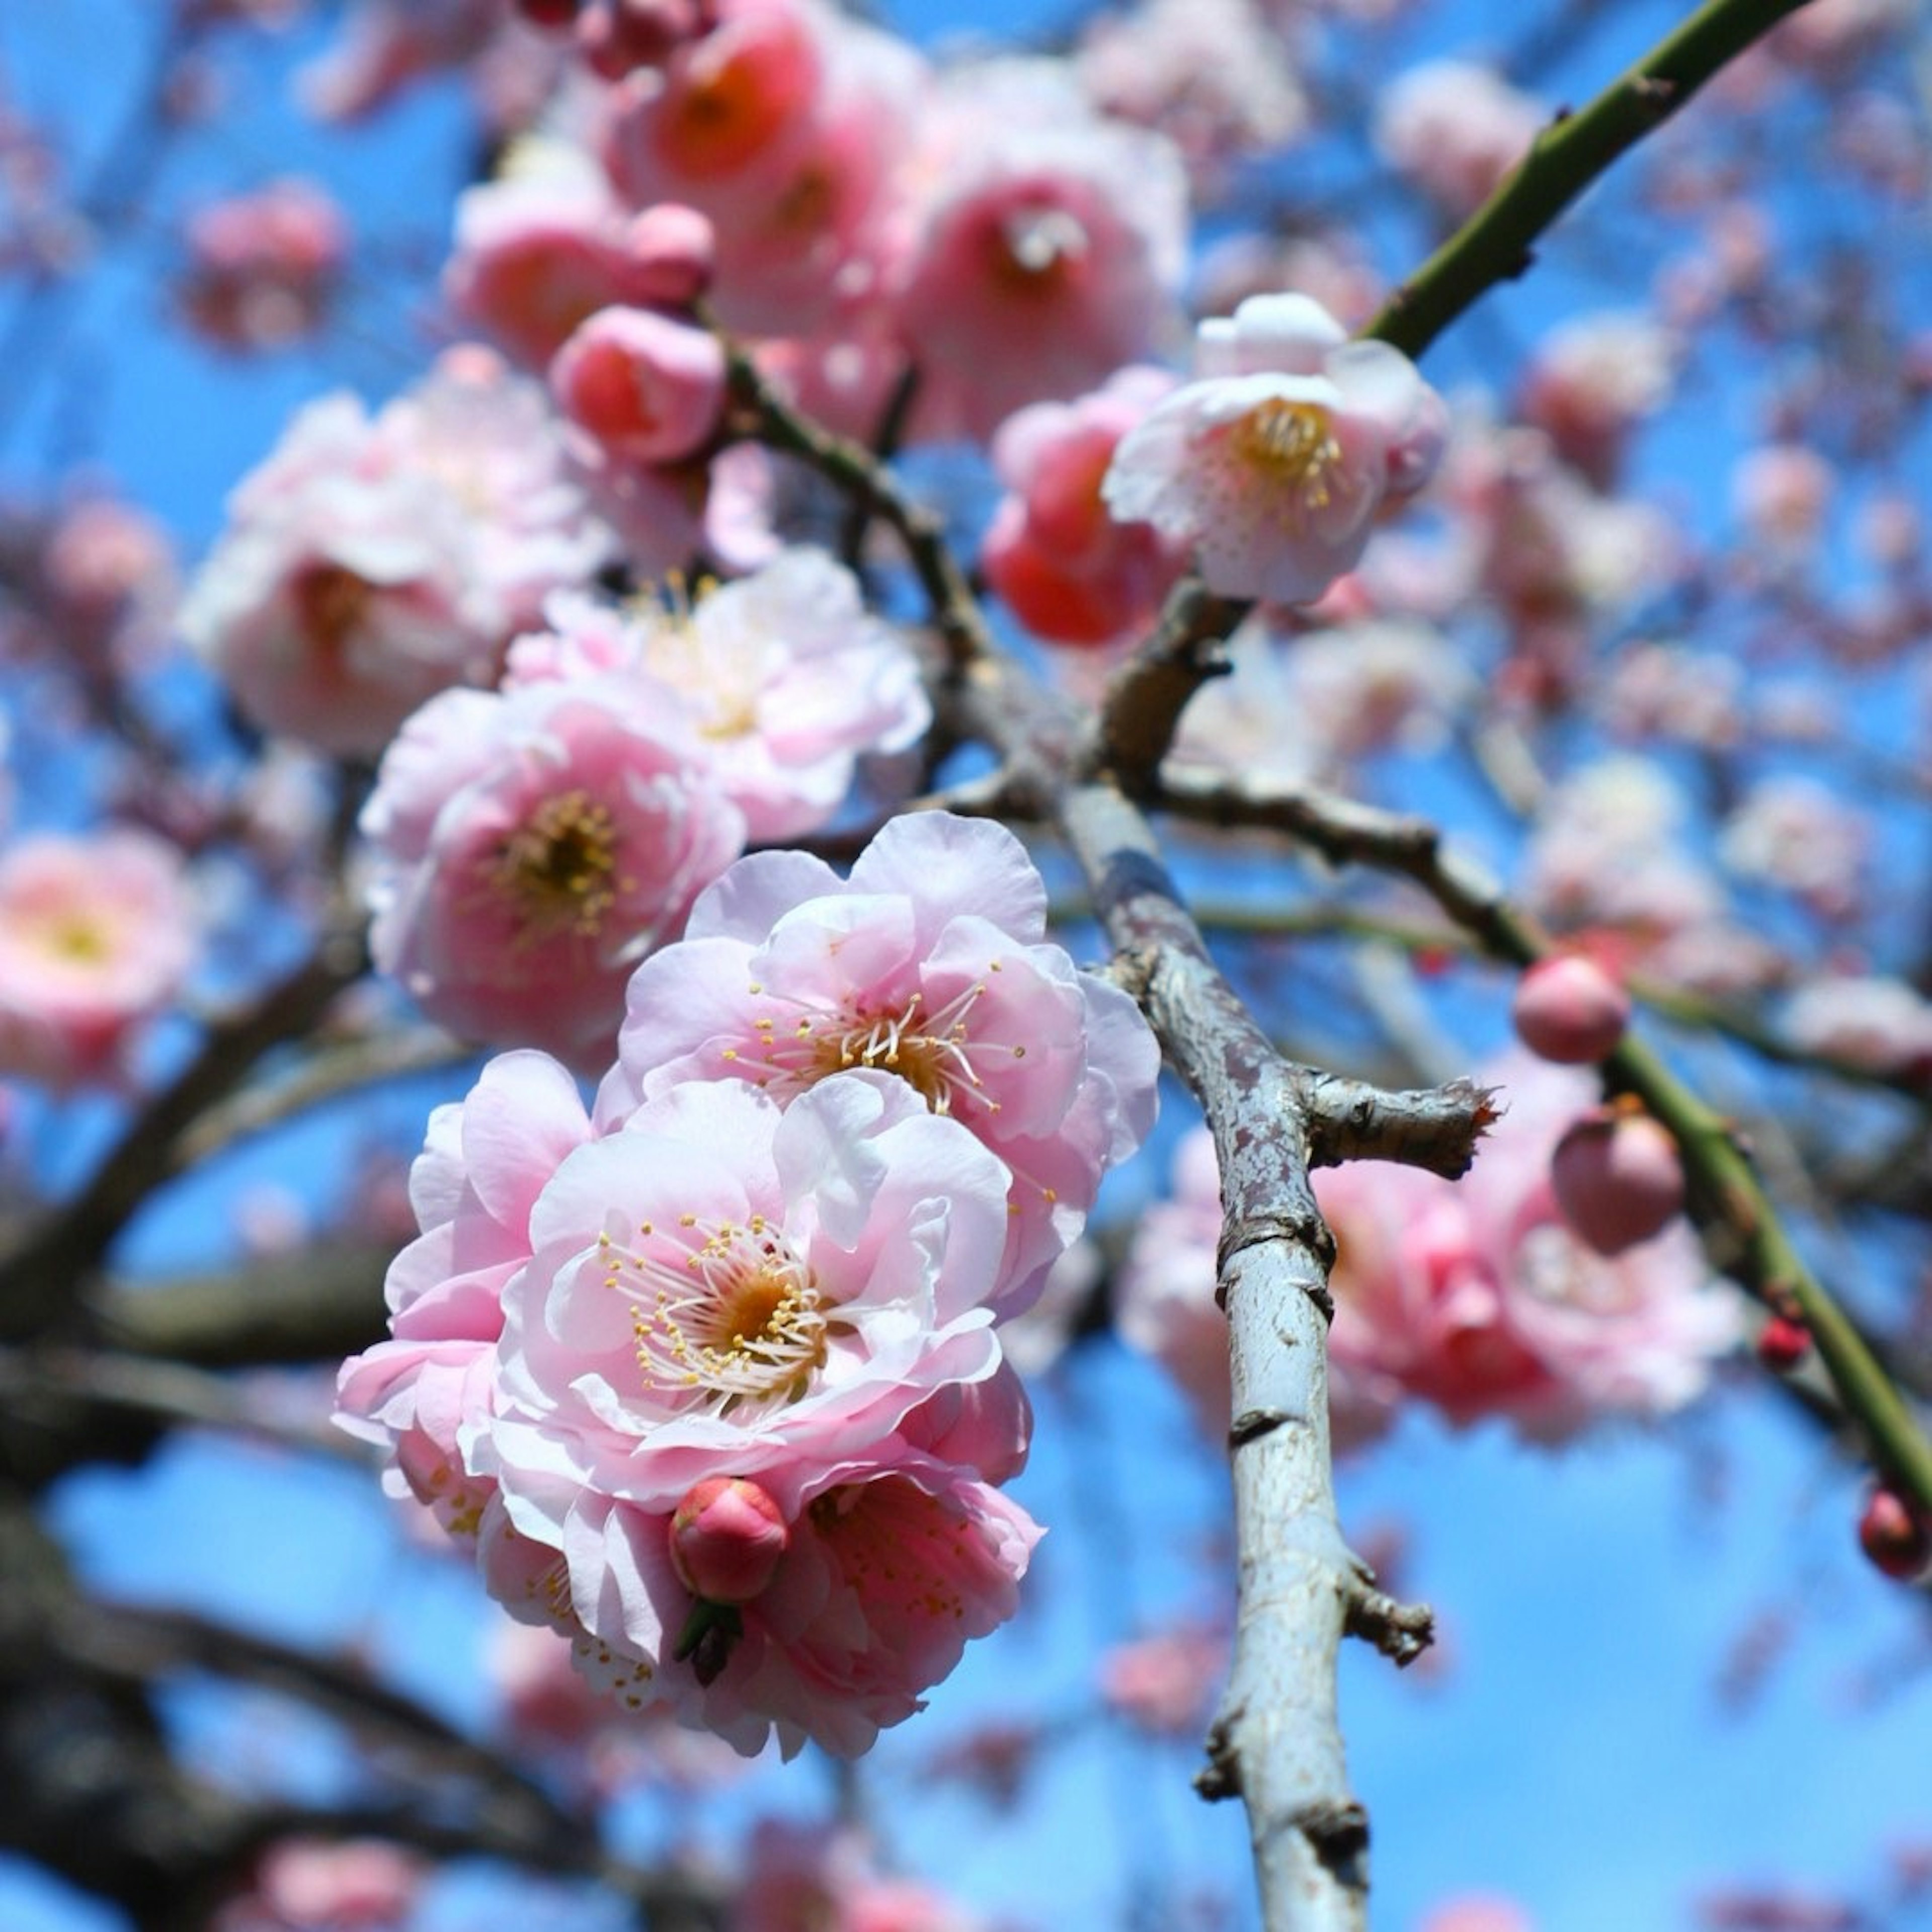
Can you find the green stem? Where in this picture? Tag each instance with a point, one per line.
(1494, 245)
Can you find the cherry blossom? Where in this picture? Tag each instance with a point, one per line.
(1069, 571)
(546, 245)
(528, 847)
(1455, 130)
(370, 563)
(1273, 463)
(97, 932)
(930, 962)
(1042, 260)
(1473, 1295)
(775, 683)
(262, 267)
(719, 1287)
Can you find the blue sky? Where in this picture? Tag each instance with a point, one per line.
(1572, 1749)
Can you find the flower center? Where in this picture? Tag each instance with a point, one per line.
(723, 1310)
(558, 869)
(1036, 249)
(932, 1049)
(332, 605)
(722, 668)
(1292, 444)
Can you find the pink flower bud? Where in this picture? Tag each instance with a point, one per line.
(672, 251)
(1783, 1343)
(726, 1540)
(1568, 1009)
(1894, 1536)
(647, 387)
(1617, 1178)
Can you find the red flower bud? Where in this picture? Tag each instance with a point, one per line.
(726, 1540)
(1783, 1343)
(1568, 1009)
(1894, 1536)
(1617, 1179)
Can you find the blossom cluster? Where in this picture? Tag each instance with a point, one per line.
(1476, 1296)
(707, 1371)
(530, 844)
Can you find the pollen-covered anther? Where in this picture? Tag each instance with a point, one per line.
(557, 870)
(729, 1313)
(933, 1051)
(1293, 443)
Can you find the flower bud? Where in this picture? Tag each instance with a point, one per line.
(1617, 1178)
(650, 388)
(726, 1540)
(1783, 1343)
(672, 251)
(1894, 1536)
(1569, 1010)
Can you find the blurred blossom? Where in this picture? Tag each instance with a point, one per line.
(1454, 129)
(1212, 75)
(1166, 1683)
(1591, 380)
(1473, 1295)
(1882, 1024)
(315, 1885)
(1780, 493)
(1671, 691)
(1043, 256)
(1478, 1911)
(800, 1879)
(1796, 832)
(1070, 571)
(263, 268)
(370, 562)
(98, 931)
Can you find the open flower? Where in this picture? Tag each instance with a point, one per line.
(775, 683)
(930, 963)
(1273, 463)
(96, 933)
(531, 847)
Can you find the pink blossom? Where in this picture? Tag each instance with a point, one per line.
(1592, 381)
(719, 1287)
(931, 961)
(262, 267)
(803, 1879)
(1068, 569)
(722, 1285)
(1045, 250)
(1455, 130)
(305, 1885)
(97, 932)
(1164, 1683)
(529, 847)
(1474, 1295)
(1478, 1911)
(1881, 1024)
(369, 564)
(783, 123)
(775, 683)
(1274, 462)
(1210, 74)
(648, 387)
(541, 249)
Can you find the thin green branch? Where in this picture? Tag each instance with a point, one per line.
(1494, 245)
